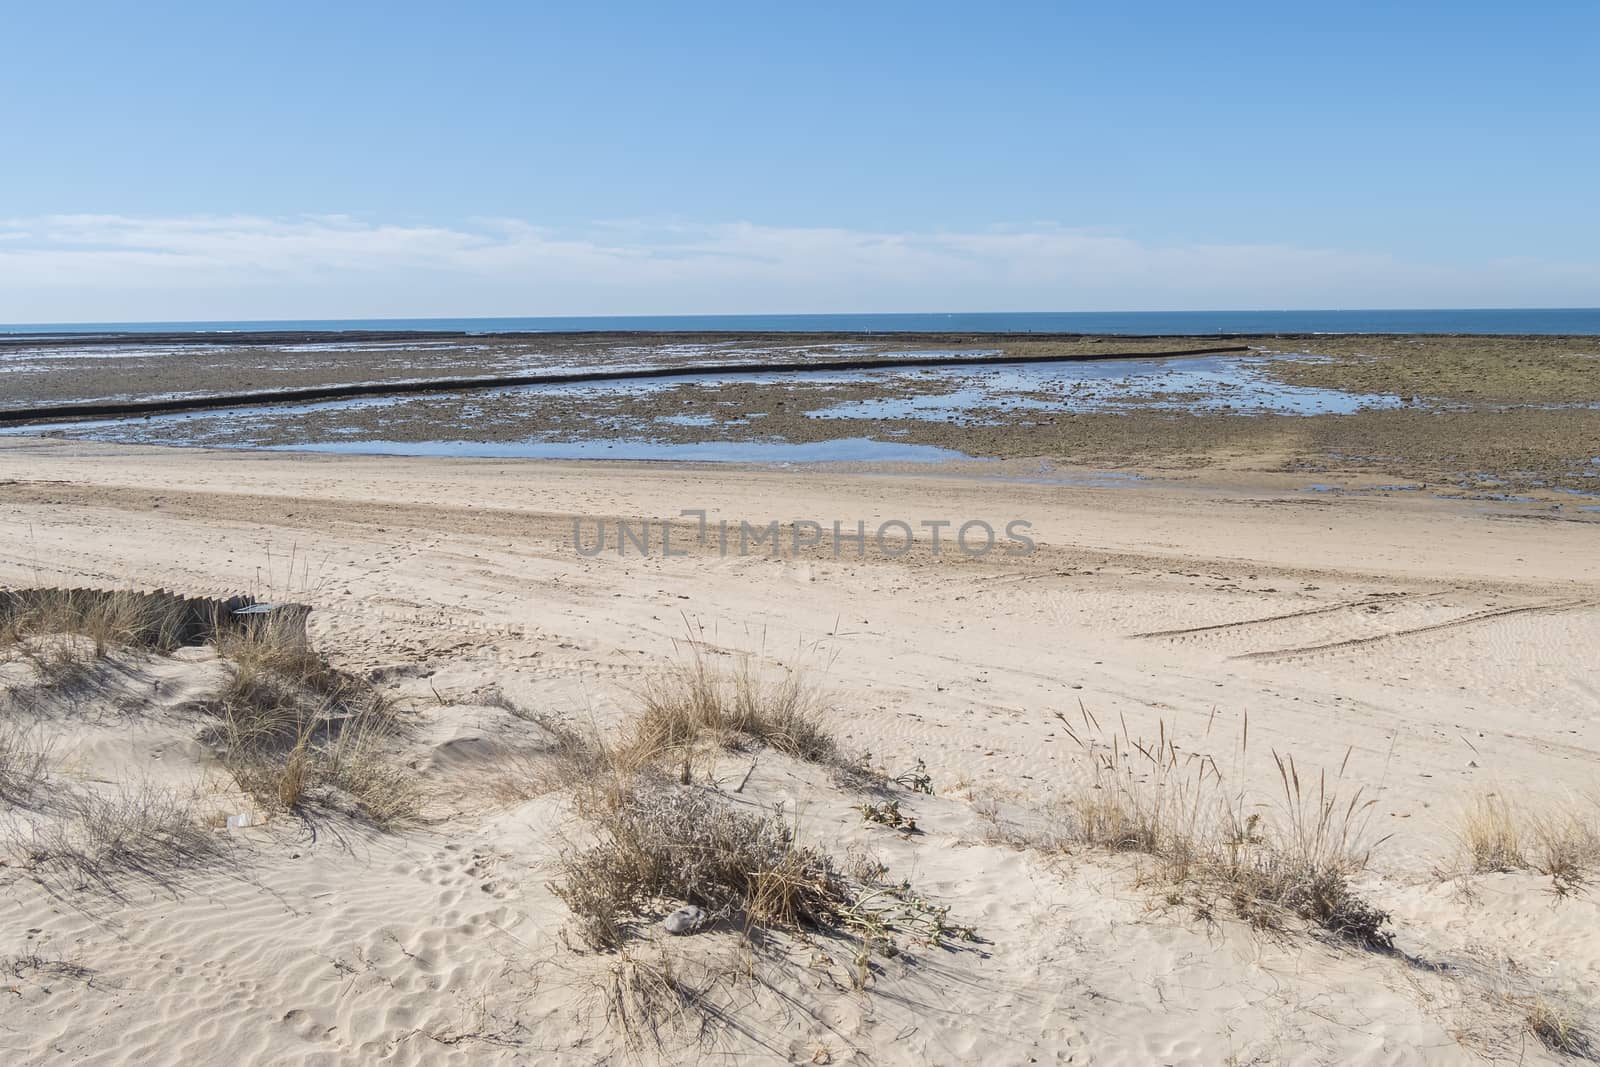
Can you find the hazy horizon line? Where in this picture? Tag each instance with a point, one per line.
(87, 268)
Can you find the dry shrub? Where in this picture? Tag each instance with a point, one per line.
(659, 842)
(292, 728)
(680, 844)
(696, 702)
(1178, 808)
(96, 839)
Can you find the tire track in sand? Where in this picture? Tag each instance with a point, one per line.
(1268, 655)
(1348, 605)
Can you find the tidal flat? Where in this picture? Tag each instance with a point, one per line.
(1472, 414)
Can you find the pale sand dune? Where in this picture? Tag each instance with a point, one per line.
(1446, 645)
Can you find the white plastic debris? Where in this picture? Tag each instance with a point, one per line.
(244, 818)
(686, 920)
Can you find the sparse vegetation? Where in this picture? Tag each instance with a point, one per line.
(646, 997)
(292, 729)
(1177, 808)
(888, 813)
(1490, 835)
(1566, 846)
(1558, 1029)
(1559, 839)
(118, 619)
(96, 839)
(91, 838)
(697, 703)
(917, 779)
(24, 764)
(660, 841)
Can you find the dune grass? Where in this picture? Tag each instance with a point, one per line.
(1490, 835)
(118, 619)
(1558, 838)
(695, 703)
(24, 764)
(90, 838)
(662, 840)
(1296, 856)
(99, 840)
(295, 731)
(1558, 1029)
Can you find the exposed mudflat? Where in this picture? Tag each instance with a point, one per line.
(1467, 414)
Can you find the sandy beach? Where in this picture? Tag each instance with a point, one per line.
(1436, 649)
(639, 536)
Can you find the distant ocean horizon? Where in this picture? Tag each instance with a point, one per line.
(1189, 323)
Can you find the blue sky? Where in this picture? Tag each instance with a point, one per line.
(295, 160)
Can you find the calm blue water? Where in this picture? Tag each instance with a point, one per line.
(1479, 320)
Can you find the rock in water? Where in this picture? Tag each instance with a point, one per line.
(686, 920)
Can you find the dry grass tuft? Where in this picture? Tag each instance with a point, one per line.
(664, 842)
(697, 703)
(1558, 1029)
(1490, 835)
(660, 842)
(1557, 838)
(1566, 846)
(680, 844)
(1177, 807)
(645, 998)
(293, 729)
(98, 840)
(122, 619)
(24, 764)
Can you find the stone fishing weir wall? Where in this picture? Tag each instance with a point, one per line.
(185, 620)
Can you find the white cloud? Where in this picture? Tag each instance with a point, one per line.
(78, 268)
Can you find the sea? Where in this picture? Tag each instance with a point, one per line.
(1130, 323)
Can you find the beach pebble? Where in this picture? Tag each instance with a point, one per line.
(686, 920)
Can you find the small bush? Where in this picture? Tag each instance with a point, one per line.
(888, 813)
(666, 843)
(680, 844)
